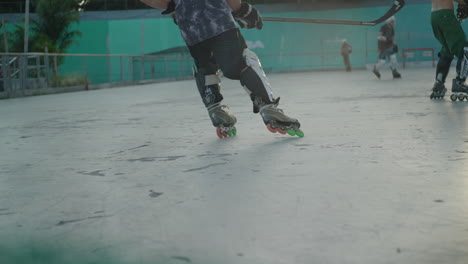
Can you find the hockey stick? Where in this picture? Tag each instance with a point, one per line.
(397, 6)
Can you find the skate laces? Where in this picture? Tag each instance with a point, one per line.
(218, 106)
(274, 107)
(214, 106)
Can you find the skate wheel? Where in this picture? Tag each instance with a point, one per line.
(453, 97)
(291, 132)
(432, 96)
(299, 133)
(281, 131)
(461, 97)
(219, 133)
(229, 133)
(271, 129)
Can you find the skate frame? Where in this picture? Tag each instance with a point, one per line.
(397, 6)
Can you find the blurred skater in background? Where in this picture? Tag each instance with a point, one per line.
(388, 49)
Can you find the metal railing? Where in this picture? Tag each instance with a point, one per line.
(54, 72)
(49, 70)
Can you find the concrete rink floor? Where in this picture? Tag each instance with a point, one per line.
(138, 175)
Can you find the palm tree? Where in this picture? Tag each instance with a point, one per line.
(53, 25)
(50, 29)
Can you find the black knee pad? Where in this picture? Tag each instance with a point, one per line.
(208, 86)
(233, 70)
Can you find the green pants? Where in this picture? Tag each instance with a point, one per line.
(448, 32)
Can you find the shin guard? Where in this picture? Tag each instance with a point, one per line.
(254, 80)
(208, 86)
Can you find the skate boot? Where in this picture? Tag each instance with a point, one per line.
(222, 120)
(438, 91)
(396, 74)
(376, 72)
(277, 121)
(459, 90)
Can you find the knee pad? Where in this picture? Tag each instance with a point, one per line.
(232, 70)
(443, 67)
(462, 64)
(208, 86)
(254, 80)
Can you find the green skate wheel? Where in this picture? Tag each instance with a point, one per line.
(291, 132)
(234, 132)
(230, 133)
(299, 133)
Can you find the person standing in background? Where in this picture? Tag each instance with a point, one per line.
(346, 49)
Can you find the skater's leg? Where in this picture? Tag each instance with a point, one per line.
(394, 65)
(462, 63)
(442, 22)
(255, 82)
(347, 62)
(208, 83)
(206, 73)
(459, 88)
(264, 103)
(239, 63)
(207, 77)
(380, 63)
(443, 67)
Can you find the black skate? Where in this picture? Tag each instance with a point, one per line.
(459, 90)
(222, 120)
(376, 72)
(438, 91)
(396, 74)
(276, 121)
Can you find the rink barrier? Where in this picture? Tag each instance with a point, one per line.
(44, 73)
(41, 73)
(414, 56)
